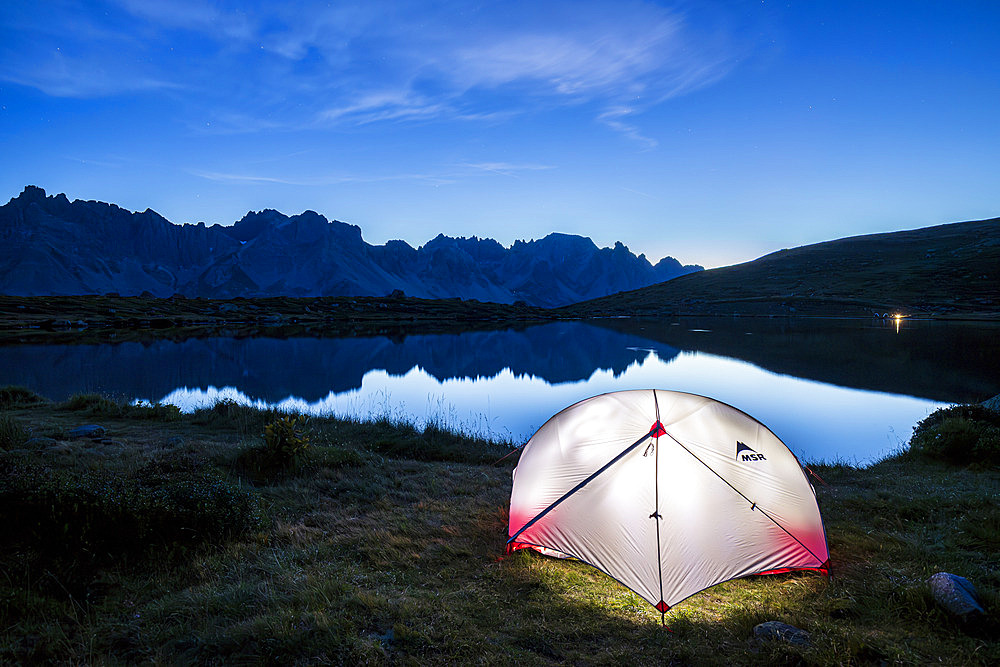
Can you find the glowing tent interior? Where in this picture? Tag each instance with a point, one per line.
(667, 492)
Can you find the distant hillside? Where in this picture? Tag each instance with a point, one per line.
(949, 269)
(51, 246)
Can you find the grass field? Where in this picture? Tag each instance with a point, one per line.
(175, 538)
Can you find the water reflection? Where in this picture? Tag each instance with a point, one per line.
(271, 369)
(829, 389)
(818, 421)
(944, 361)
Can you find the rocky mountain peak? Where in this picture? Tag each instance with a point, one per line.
(32, 194)
(267, 253)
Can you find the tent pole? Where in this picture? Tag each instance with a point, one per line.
(656, 501)
(584, 483)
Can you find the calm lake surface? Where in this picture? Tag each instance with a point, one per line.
(830, 389)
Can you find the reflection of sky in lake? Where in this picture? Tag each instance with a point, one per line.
(817, 421)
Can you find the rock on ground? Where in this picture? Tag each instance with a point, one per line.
(778, 631)
(86, 431)
(956, 594)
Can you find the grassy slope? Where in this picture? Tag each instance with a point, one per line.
(949, 270)
(373, 556)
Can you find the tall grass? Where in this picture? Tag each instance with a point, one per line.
(98, 405)
(16, 397)
(13, 434)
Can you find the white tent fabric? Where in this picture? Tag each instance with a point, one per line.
(667, 492)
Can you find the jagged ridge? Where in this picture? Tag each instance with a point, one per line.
(53, 246)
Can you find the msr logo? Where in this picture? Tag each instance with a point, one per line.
(744, 453)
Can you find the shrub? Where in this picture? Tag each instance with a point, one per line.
(93, 404)
(285, 445)
(17, 397)
(107, 512)
(163, 412)
(12, 433)
(96, 405)
(284, 441)
(959, 434)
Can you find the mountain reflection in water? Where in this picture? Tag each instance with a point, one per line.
(829, 389)
(271, 369)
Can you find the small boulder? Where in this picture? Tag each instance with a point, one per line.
(956, 594)
(778, 631)
(40, 441)
(86, 431)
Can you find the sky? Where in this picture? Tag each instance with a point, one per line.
(714, 131)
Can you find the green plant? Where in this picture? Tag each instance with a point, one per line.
(12, 433)
(109, 512)
(93, 404)
(959, 434)
(154, 411)
(285, 446)
(16, 397)
(284, 440)
(97, 405)
(248, 420)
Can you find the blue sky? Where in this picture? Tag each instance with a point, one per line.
(714, 132)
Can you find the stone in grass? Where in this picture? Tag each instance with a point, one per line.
(778, 631)
(956, 594)
(40, 441)
(86, 431)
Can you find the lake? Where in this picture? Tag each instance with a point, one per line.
(844, 390)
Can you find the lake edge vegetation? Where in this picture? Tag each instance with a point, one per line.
(113, 318)
(237, 534)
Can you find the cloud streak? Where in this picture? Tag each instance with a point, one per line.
(307, 65)
(314, 181)
(507, 168)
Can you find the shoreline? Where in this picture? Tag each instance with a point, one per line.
(95, 318)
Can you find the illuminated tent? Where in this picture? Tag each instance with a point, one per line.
(669, 493)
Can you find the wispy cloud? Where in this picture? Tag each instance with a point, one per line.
(445, 176)
(385, 105)
(507, 168)
(314, 181)
(194, 15)
(613, 119)
(102, 163)
(59, 74)
(307, 64)
(638, 192)
(607, 61)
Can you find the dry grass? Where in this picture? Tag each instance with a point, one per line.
(371, 556)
